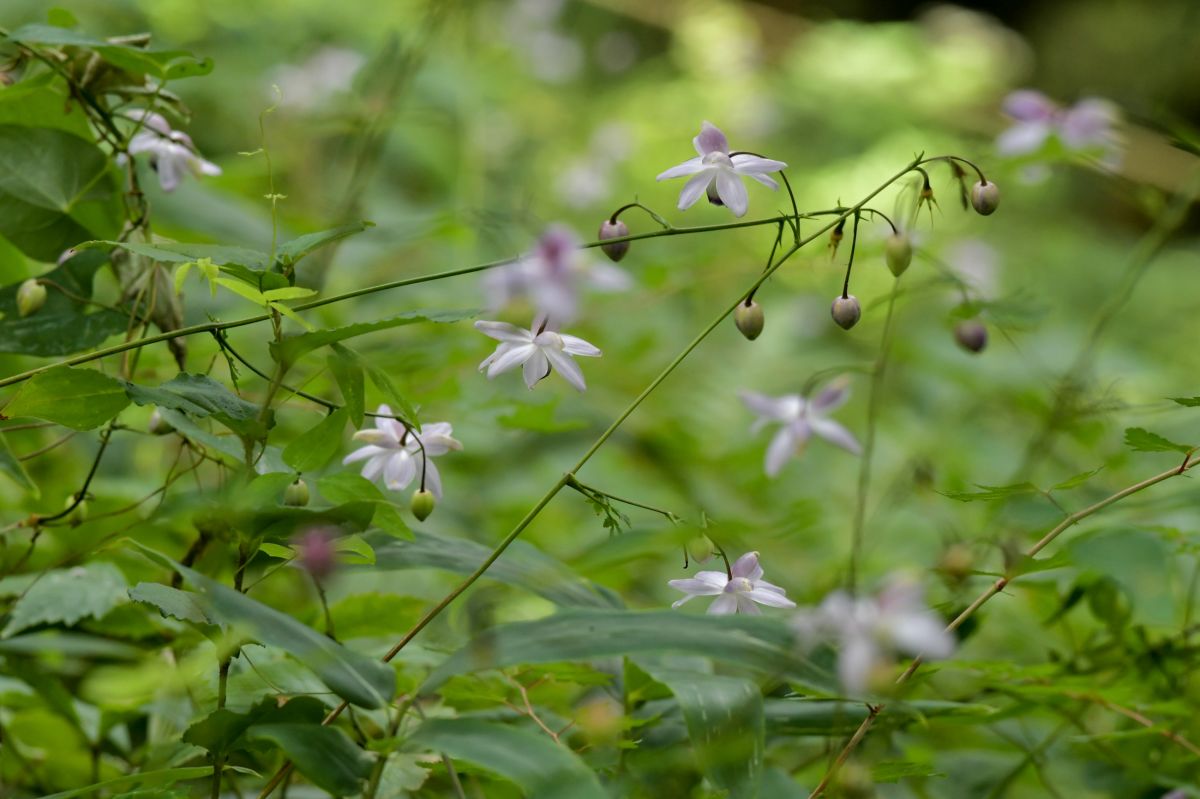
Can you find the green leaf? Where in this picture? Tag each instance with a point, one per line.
(896, 770)
(64, 325)
(396, 401)
(292, 348)
(67, 596)
(200, 396)
(724, 717)
(325, 755)
(171, 602)
(314, 448)
(292, 251)
(353, 676)
(523, 565)
(180, 252)
(221, 731)
(12, 467)
(56, 191)
(1077, 480)
(1140, 440)
(42, 102)
(76, 398)
(1187, 402)
(537, 765)
(348, 373)
(835, 718)
(1139, 561)
(760, 643)
(145, 779)
(162, 64)
(345, 487)
(280, 523)
(992, 493)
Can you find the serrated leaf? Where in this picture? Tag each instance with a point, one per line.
(1077, 480)
(540, 767)
(353, 676)
(170, 602)
(992, 493)
(1141, 440)
(77, 398)
(200, 396)
(325, 755)
(314, 448)
(67, 596)
(292, 348)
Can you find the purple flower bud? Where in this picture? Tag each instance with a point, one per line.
(972, 336)
(985, 197)
(897, 251)
(748, 317)
(846, 311)
(317, 553)
(614, 230)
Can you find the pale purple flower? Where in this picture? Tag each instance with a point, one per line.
(326, 73)
(537, 350)
(736, 593)
(316, 551)
(1087, 125)
(172, 154)
(552, 276)
(800, 418)
(719, 174)
(400, 454)
(870, 631)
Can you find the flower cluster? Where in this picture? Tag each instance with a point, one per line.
(718, 173)
(399, 453)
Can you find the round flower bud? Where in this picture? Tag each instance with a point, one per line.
(700, 548)
(957, 562)
(317, 553)
(296, 495)
(614, 230)
(985, 197)
(972, 336)
(423, 503)
(79, 514)
(31, 296)
(846, 311)
(748, 317)
(158, 425)
(897, 251)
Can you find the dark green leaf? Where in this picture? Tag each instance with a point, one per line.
(345, 487)
(992, 493)
(200, 396)
(172, 602)
(353, 676)
(397, 402)
(314, 448)
(540, 767)
(144, 779)
(348, 373)
(325, 755)
(41, 102)
(1187, 402)
(77, 398)
(1077, 480)
(64, 325)
(177, 252)
(66, 596)
(292, 251)
(1140, 440)
(835, 718)
(896, 770)
(292, 348)
(220, 731)
(164, 64)
(12, 467)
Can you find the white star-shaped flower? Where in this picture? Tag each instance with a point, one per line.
(398, 453)
(736, 592)
(537, 349)
(716, 171)
(800, 418)
(172, 154)
(869, 631)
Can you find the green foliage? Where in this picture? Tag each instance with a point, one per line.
(65, 324)
(201, 396)
(67, 596)
(77, 398)
(292, 348)
(163, 64)
(1140, 440)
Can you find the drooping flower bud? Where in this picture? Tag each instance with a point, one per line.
(971, 335)
(317, 553)
(296, 494)
(614, 230)
(985, 197)
(158, 425)
(748, 317)
(423, 503)
(846, 311)
(700, 548)
(79, 513)
(31, 296)
(897, 251)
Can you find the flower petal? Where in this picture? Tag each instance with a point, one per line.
(536, 367)
(399, 471)
(766, 181)
(433, 478)
(782, 447)
(746, 164)
(573, 345)
(724, 605)
(856, 659)
(694, 188)
(696, 587)
(732, 192)
(710, 139)
(832, 397)
(689, 167)
(362, 453)
(747, 566)
(374, 467)
(746, 605)
(1022, 138)
(779, 409)
(772, 598)
(835, 433)
(503, 331)
(566, 367)
(509, 359)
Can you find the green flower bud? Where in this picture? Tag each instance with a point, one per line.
(31, 296)
(748, 317)
(423, 503)
(972, 336)
(700, 548)
(296, 495)
(79, 515)
(158, 425)
(985, 197)
(846, 311)
(614, 230)
(897, 251)
(957, 562)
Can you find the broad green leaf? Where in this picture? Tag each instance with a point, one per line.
(163, 64)
(172, 602)
(523, 565)
(724, 717)
(1137, 559)
(541, 768)
(280, 523)
(12, 467)
(76, 398)
(325, 755)
(540, 418)
(396, 401)
(56, 191)
(402, 774)
(67, 596)
(826, 717)
(64, 325)
(42, 102)
(292, 251)
(992, 493)
(1187, 402)
(348, 373)
(344, 487)
(292, 348)
(224, 447)
(312, 449)
(144, 779)
(221, 731)
(1140, 440)
(179, 252)
(78, 645)
(288, 293)
(200, 396)
(353, 676)
(760, 643)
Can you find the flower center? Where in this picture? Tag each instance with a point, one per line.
(739, 585)
(718, 159)
(548, 339)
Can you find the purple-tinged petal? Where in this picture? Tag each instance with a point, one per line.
(835, 433)
(856, 660)
(746, 605)
(694, 188)
(503, 331)
(696, 587)
(766, 181)
(778, 409)
(1023, 138)
(566, 367)
(1027, 105)
(724, 605)
(832, 397)
(732, 192)
(771, 598)
(710, 140)
(746, 164)
(433, 478)
(1088, 123)
(747, 566)
(536, 367)
(688, 167)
